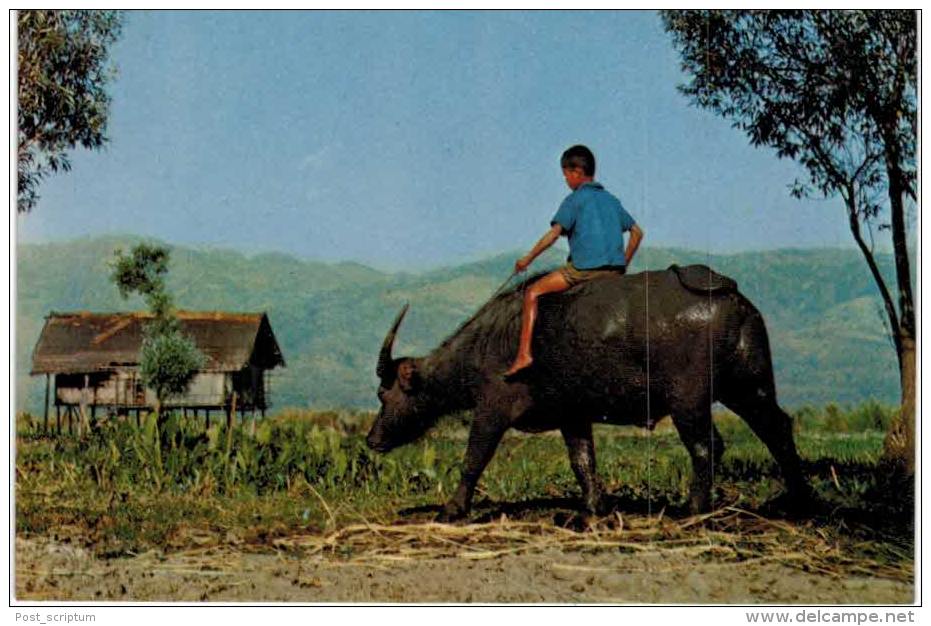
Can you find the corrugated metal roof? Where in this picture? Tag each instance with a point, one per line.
(87, 342)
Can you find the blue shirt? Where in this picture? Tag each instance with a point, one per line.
(595, 222)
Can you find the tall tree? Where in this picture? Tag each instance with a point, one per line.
(64, 71)
(835, 91)
(168, 359)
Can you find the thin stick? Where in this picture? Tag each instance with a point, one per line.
(834, 476)
(503, 285)
(326, 506)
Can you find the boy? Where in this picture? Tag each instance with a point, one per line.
(594, 221)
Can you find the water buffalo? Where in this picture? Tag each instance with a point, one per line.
(618, 350)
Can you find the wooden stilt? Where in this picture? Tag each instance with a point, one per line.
(94, 408)
(58, 417)
(229, 424)
(231, 411)
(82, 408)
(45, 414)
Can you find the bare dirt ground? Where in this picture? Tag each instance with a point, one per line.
(49, 570)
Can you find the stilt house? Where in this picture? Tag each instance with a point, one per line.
(93, 360)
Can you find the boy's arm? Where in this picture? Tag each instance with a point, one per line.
(636, 235)
(545, 242)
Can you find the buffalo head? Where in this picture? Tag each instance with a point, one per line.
(405, 407)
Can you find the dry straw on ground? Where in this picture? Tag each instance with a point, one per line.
(216, 561)
(729, 534)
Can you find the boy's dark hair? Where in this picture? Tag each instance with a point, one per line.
(580, 157)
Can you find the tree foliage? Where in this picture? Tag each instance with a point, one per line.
(143, 271)
(64, 72)
(168, 359)
(828, 89)
(835, 91)
(168, 362)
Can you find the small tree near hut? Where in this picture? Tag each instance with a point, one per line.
(168, 359)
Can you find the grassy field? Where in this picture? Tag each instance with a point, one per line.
(122, 490)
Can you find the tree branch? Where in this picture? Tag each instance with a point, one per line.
(851, 202)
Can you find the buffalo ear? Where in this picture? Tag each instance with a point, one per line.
(408, 377)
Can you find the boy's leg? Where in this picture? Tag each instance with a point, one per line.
(553, 282)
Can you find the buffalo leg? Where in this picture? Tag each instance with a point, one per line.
(774, 428)
(483, 440)
(705, 446)
(581, 448)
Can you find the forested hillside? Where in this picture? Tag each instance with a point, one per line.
(822, 309)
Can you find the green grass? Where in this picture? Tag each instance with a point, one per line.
(123, 489)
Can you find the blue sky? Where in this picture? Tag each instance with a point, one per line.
(411, 140)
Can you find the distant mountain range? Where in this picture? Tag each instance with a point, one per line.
(822, 309)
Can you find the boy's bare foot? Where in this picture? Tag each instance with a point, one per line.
(518, 366)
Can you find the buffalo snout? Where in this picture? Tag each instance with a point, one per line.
(377, 439)
(373, 441)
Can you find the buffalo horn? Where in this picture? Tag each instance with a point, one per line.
(384, 358)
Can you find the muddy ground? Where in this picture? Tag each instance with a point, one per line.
(49, 570)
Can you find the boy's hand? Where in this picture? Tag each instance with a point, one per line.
(545, 242)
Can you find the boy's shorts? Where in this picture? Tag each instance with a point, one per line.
(576, 276)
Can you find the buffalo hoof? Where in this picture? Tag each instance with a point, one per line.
(451, 514)
(578, 522)
(794, 505)
(700, 504)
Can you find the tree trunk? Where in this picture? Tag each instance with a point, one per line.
(899, 446)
